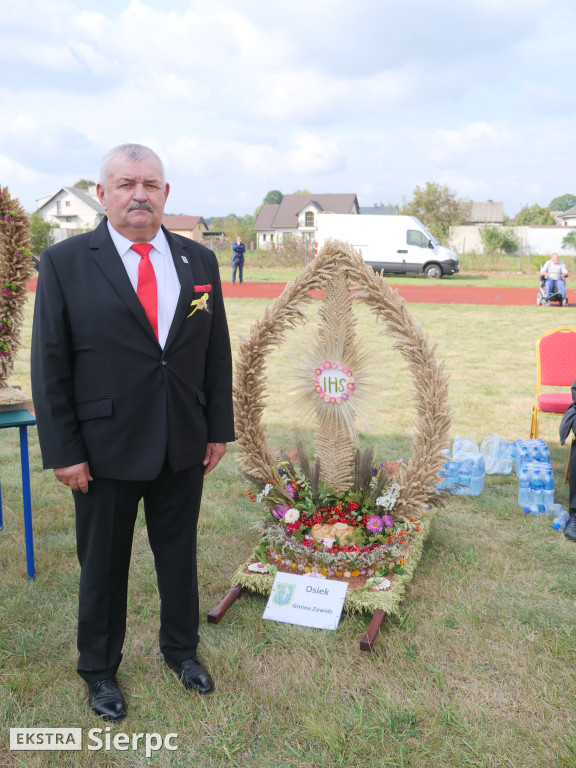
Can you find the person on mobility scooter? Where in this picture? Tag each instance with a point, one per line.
(553, 282)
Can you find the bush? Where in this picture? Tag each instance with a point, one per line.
(499, 240)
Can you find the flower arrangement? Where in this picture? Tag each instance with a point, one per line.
(311, 528)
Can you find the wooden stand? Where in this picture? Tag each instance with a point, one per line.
(366, 642)
(216, 614)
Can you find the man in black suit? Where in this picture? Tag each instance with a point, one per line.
(567, 425)
(132, 386)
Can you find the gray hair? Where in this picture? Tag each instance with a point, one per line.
(133, 152)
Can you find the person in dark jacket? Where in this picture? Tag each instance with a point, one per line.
(132, 386)
(567, 425)
(238, 250)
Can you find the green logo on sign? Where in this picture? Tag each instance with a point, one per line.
(283, 594)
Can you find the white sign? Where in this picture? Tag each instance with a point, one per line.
(307, 601)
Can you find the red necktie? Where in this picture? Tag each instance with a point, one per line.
(147, 291)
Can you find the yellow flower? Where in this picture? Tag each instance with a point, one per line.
(201, 303)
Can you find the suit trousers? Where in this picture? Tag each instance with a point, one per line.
(105, 518)
(572, 477)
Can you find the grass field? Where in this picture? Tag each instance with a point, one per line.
(511, 279)
(478, 672)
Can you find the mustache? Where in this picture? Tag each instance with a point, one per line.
(140, 206)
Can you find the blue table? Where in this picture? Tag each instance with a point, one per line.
(23, 420)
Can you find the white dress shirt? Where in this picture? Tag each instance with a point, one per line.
(167, 282)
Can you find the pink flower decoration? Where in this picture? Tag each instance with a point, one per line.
(374, 524)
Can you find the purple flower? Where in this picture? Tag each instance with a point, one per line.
(387, 520)
(280, 511)
(374, 524)
(289, 490)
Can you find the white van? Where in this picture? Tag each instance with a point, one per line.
(397, 244)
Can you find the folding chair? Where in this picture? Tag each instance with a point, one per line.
(556, 367)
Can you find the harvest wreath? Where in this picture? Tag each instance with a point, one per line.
(16, 268)
(340, 515)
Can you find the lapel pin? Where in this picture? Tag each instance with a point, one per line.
(184, 259)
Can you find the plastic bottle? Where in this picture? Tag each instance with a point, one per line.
(560, 520)
(536, 487)
(535, 510)
(524, 488)
(465, 478)
(521, 455)
(478, 474)
(548, 490)
(544, 452)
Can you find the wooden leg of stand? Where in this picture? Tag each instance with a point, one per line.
(367, 640)
(216, 613)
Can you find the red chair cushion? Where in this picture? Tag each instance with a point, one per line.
(554, 402)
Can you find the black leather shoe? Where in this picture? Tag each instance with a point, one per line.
(570, 527)
(192, 674)
(106, 700)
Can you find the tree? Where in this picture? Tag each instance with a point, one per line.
(234, 226)
(84, 184)
(302, 192)
(274, 197)
(562, 203)
(438, 208)
(569, 241)
(41, 233)
(499, 240)
(533, 214)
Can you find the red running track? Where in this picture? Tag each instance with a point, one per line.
(442, 292)
(438, 293)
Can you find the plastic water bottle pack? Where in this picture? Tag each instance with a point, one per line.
(465, 470)
(536, 486)
(499, 454)
(530, 450)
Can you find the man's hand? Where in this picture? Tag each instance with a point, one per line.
(76, 477)
(214, 452)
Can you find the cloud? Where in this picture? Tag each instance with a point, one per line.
(239, 99)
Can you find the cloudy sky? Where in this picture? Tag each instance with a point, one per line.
(364, 96)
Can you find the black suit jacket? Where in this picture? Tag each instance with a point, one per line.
(104, 391)
(569, 419)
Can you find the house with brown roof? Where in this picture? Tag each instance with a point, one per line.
(298, 215)
(193, 227)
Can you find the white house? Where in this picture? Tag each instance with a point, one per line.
(72, 208)
(568, 218)
(297, 215)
